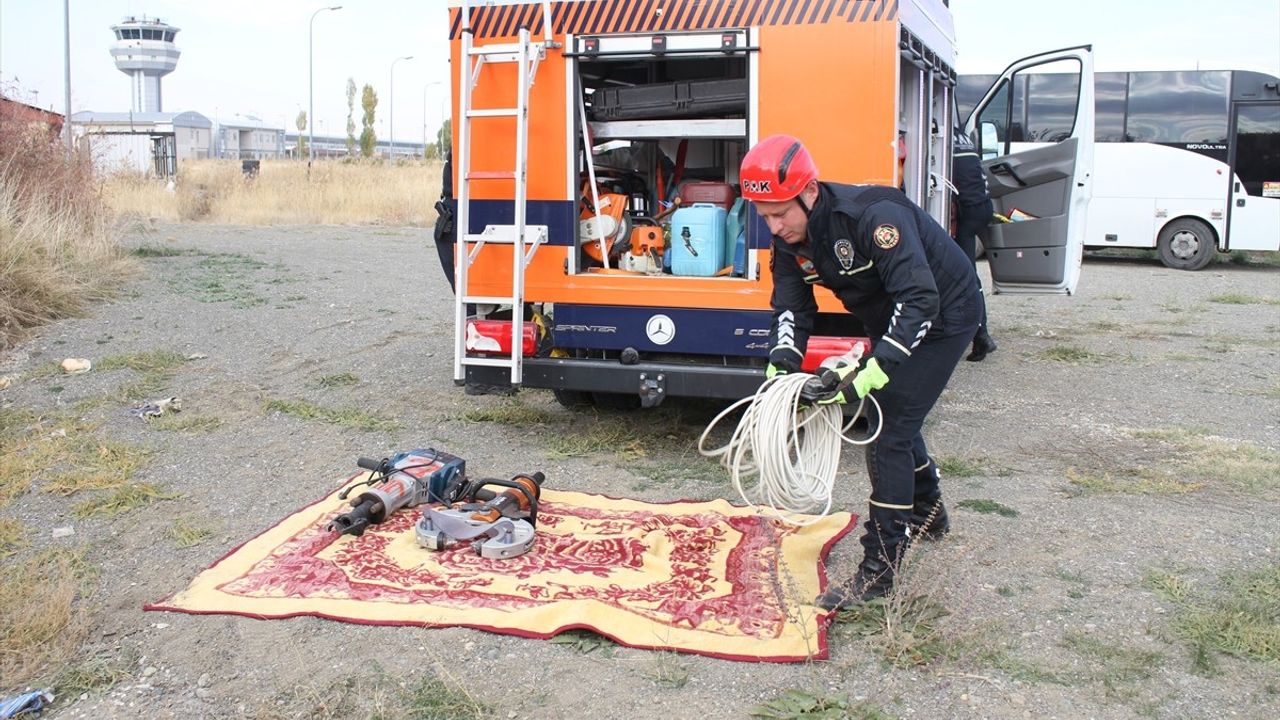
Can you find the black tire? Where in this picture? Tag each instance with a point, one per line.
(616, 401)
(573, 399)
(1186, 244)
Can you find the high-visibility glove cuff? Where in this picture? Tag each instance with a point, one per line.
(871, 377)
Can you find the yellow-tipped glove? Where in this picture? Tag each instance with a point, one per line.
(771, 370)
(847, 383)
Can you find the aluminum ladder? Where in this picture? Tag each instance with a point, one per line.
(523, 238)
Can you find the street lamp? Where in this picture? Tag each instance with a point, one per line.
(424, 114)
(391, 111)
(311, 86)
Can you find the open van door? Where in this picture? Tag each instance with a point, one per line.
(1045, 98)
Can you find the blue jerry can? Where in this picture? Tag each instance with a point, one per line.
(697, 240)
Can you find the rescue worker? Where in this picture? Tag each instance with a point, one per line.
(906, 280)
(973, 212)
(444, 232)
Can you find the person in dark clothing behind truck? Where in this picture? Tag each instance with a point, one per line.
(906, 280)
(973, 212)
(445, 235)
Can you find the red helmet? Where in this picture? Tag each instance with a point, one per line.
(776, 169)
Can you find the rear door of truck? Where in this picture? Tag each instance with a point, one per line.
(1043, 190)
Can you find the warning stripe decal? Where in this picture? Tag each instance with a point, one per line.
(594, 17)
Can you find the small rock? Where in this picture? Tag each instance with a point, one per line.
(6, 381)
(964, 697)
(513, 714)
(197, 356)
(203, 681)
(75, 366)
(149, 671)
(204, 693)
(61, 532)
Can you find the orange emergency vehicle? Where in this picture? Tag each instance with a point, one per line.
(596, 148)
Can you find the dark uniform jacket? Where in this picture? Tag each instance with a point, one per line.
(967, 175)
(890, 264)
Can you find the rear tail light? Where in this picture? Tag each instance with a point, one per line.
(493, 337)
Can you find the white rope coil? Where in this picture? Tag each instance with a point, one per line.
(789, 448)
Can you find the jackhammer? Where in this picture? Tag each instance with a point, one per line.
(500, 523)
(403, 480)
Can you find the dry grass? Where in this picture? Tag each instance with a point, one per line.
(13, 537)
(189, 531)
(1197, 453)
(56, 249)
(33, 642)
(338, 193)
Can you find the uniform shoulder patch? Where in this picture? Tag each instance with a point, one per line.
(886, 237)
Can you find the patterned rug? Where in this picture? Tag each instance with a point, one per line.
(698, 577)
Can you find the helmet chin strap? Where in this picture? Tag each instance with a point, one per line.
(800, 201)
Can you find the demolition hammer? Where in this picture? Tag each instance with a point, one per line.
(403, 480)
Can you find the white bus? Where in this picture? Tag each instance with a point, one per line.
(1187, 162)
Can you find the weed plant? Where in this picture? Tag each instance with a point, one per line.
(57, 251)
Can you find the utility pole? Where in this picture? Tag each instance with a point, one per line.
(66, 60)
(391, 112)
(311, 84)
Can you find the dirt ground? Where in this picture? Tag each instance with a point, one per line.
(1110, 470)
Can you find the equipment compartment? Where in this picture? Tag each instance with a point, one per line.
(674, 100)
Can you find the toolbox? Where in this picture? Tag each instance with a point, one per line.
(697, 240)
(717, 193)
(686, 99)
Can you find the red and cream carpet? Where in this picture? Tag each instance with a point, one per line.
(697, 577)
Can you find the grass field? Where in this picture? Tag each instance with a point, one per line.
(337, 193)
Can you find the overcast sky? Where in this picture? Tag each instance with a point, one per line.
(250, 56)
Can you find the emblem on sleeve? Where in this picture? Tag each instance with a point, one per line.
(886, 237)
(844, 253)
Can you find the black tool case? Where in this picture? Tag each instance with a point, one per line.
(686, 99)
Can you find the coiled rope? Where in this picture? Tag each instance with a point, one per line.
(784, 454)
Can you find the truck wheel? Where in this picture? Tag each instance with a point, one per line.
(572, 399)
(616, 401)
(1186, 244)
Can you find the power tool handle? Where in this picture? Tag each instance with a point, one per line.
(369, 464)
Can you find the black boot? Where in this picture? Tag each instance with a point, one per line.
(874, 579)
(929, 520)
(983, 345)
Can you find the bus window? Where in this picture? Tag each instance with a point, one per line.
(1109, 93)
(1258, 148)
(969, 90)
(1178, 107)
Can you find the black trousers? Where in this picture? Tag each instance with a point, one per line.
(445, 249)
(898, 462)
(970, 220)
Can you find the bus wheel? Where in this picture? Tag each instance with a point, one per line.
(1186, 244)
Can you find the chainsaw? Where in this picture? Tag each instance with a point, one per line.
(498, 524)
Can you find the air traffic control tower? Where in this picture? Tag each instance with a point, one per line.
(144, 51)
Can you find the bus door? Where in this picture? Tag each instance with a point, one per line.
(1255, 186)
(1043, 190)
